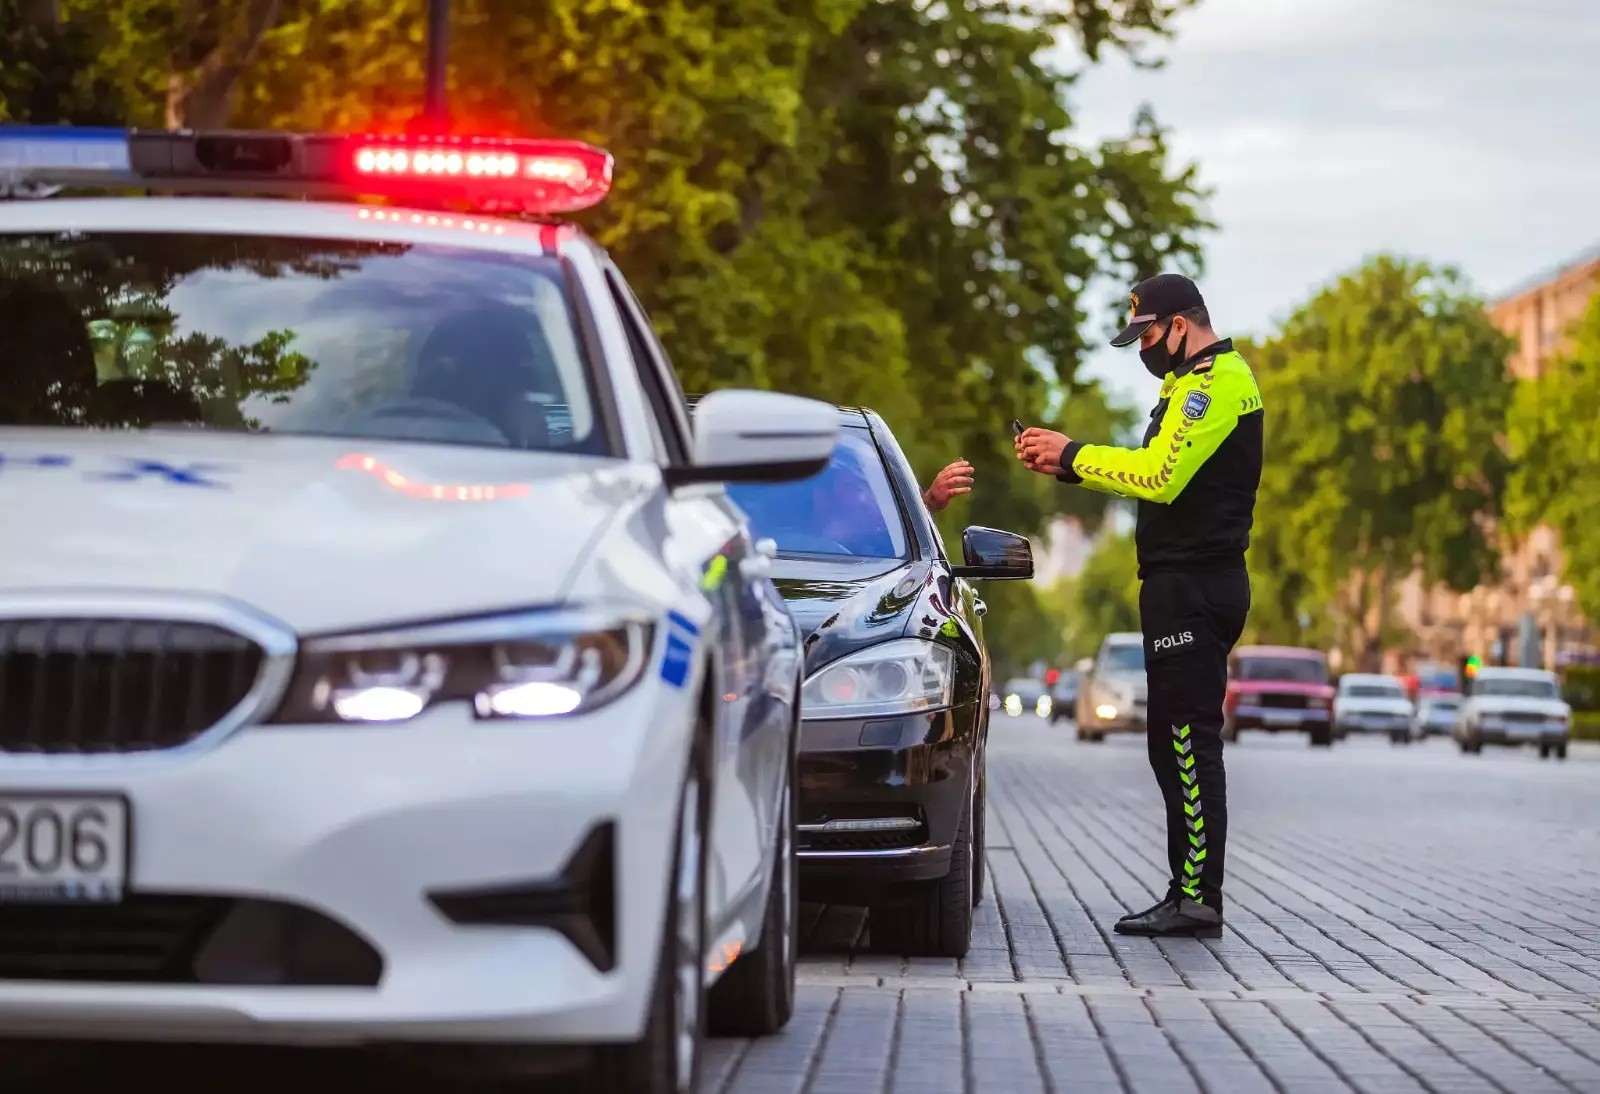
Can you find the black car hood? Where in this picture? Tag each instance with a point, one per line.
(841, 607)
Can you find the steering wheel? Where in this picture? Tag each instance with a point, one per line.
(418, 406)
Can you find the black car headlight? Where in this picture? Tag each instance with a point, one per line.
(905, 676)
(528, 665)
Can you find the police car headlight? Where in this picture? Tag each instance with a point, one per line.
(529, 665)
(905, 676)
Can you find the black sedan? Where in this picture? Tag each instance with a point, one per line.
(896, 686)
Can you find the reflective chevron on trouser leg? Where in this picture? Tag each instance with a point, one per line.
(1194, 814)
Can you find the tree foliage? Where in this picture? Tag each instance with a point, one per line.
(1554, 433)
(1385, 399)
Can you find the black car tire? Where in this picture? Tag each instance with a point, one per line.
(1560, 750)
(1398, 737)
(979, 835)
(650, 1065)
(929, 918)
(1321, 738)
(755, 997)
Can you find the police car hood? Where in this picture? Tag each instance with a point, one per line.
(322, 534)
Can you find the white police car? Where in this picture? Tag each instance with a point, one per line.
(381, 660)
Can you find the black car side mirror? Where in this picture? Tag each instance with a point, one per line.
(995, 555)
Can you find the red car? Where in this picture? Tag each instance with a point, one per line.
(1278, 688)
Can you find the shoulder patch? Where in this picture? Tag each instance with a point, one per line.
(1195, 404)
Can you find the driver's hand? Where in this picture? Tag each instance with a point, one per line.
(948, 483)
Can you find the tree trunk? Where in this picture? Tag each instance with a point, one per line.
(41, 13)
(202, 98)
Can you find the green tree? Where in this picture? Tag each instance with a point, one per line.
(1386, 398)
(1554, 441)
(1101, 599)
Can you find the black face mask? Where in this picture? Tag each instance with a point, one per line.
(1156, 358)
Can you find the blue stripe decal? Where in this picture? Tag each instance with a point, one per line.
(675, 664)
(674, 617)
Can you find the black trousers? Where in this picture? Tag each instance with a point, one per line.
(1190, 623)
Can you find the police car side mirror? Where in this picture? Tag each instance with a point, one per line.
(995, 555)
(758, 436)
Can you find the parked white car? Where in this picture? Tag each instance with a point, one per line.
(1436, 716)
(1370, 703)
(1507, 706)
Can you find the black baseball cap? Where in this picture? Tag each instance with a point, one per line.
(1157, 298)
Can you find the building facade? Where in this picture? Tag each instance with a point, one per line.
(1528, 617)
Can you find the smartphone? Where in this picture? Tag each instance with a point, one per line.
(1016, 427)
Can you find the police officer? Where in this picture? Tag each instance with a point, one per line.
(1195, 479)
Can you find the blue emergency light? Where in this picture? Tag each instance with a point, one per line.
(533, 176)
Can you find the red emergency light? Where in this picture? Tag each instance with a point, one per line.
(543, 177)
(547, 176)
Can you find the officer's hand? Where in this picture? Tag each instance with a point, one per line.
(1041, 450)
(953, 480)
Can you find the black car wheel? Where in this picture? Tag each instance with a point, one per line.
(929, 918)
(1321, 737)
(1560, 750)
(979, 828)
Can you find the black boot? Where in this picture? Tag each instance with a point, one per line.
(1173, 893)
(1174, 918)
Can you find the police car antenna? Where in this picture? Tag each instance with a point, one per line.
(433, 108)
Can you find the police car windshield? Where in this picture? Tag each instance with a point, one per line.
(1512, 687)
(286, 335)
(1291, 670)
(846, 511)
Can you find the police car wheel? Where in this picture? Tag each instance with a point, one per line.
(666, 1060)
(755, 997)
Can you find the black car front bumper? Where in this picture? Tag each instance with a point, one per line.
(882, 799)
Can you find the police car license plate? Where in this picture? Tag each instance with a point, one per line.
(63, 847)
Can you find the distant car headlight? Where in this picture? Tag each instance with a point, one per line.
(1105, 711)
(528, 665)
(1014, 705)
(1317, 702)
(1042, 707)
(905, 676)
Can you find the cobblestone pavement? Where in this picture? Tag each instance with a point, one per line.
(1399, 919)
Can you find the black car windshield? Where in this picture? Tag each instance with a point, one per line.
(848, 510)
(280, 335)
(1123, 657)
(1514, 688)
(1290, 670)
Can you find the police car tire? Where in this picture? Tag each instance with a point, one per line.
(755, 997)
(929, 918)
(650, 1064)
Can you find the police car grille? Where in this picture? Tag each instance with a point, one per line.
(117, 685)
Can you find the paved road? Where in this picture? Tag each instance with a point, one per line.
(1399, 919)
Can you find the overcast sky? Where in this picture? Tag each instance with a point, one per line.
(1463, 131)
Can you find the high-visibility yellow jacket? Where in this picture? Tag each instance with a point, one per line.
(1196, 474)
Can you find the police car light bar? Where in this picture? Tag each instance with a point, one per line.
(535, 176)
